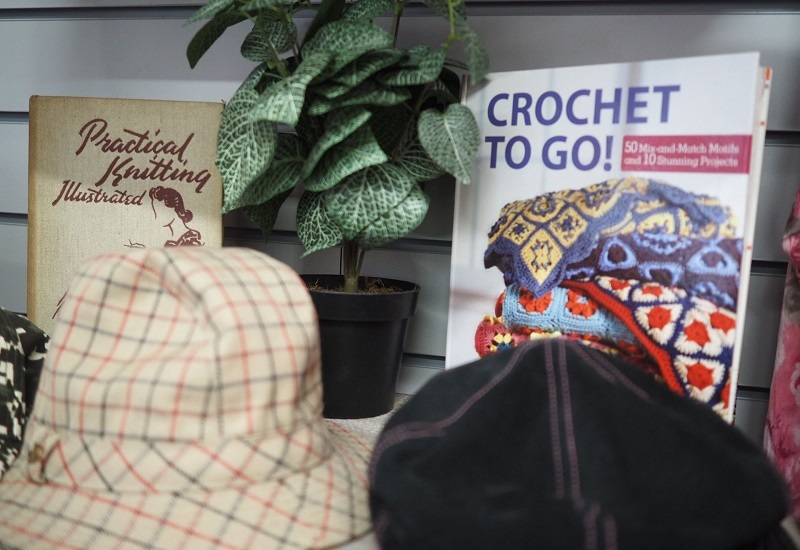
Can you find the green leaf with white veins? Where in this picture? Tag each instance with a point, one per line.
(477, 55)
(366, 10)
(256, 5)
(265, 215)
(365, 196)
(283, 174)
(454, 11)
(358, 71)
(282, 102)
(245, 148)
(417, 163)
(208, 34)
(314, 227)
(356, 152)
(210, 9)
(422, 66)
(366, 94)
(338, 125)
(347, 41)
(280, 38)
(398, 222)
(451, 139)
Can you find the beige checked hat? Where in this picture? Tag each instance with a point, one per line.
(180, 406)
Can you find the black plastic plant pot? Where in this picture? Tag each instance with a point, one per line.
(362, 336)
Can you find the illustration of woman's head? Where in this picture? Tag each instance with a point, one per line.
(171, 199)
(167, 204)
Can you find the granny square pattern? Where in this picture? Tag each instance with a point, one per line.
(566, 310)
(690, 339)
(534, 241)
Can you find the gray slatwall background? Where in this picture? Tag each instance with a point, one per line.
(135, 49)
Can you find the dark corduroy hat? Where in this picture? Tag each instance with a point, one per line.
(557, 445)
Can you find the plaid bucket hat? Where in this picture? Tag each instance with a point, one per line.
(180, 406)
(554, 444)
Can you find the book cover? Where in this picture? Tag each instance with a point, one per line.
(110, 173)
(614, 204)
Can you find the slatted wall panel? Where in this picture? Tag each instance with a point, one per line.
(135, 48)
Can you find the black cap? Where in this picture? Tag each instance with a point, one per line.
(557, 445)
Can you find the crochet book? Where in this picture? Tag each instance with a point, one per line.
(105, 174)
(614, 205)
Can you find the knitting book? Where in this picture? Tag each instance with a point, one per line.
(105, 174)
(614, 204)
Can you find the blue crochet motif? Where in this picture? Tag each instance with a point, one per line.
(648, 269)
(558, 317)
(711, 292)
(711, 259)
(707, 268)
(606, 262)
(662, 243)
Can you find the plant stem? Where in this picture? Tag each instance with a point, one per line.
(279, 63)
(352, 256)
(398, 13)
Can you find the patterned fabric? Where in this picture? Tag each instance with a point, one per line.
(570, 311)
(493, 336)
(782, 429)
(23, 347)
(534, 241)
(706, 268)
(690, 339)
(180, 406)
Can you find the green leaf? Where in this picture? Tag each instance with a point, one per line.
(260, 78)
(211, 9)
(347, 40)
(283, 174)
(328, 11)
(365, 66)
(264, 215)
(314, 227)
(449, 84)
(208, 34)
(365, 196)
(338, 126)
(331, 90)
(282, 102)
(367, 10)
(477, 55)
(451, 139)
(455, 11)
(357, 151)
(245, 148)
(396, 223)
(368, 93)
(417, 163)
(389, 125)
(282, 36)
(257, 5)
(422, 66)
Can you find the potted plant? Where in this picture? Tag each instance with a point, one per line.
(359, 124)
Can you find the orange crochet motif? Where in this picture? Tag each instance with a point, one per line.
(580, 304)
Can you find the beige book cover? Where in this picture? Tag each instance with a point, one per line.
(104, 174)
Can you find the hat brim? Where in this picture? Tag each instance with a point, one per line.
(317, 508)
